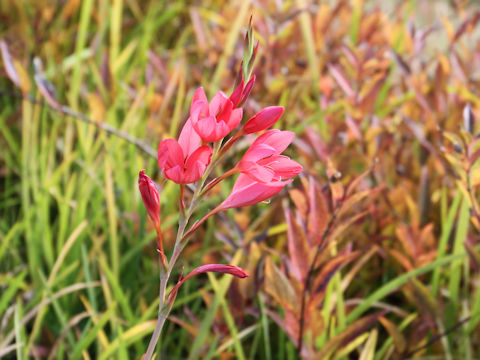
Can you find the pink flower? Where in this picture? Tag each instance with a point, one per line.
(263, 119)
(184, 161)
(262, 161)
(247, 191)
(150, 197)
(215, 120)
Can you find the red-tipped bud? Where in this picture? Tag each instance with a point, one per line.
(237, 94)
(150, 197)
(263, 119)
(218, 268)
(247, 90)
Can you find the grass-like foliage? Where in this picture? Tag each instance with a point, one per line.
(371, 253)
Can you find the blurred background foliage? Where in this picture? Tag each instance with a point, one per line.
(372, 254)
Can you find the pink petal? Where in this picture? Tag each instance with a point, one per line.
(235, 118)
(237, 94)
(217, 103)
(279, 140)
(199, 96)
(225, 112)
(263, 119)
(189, 140)
(196, 164)
(193, 173)
(202, 154)
(282, 166)
(257, 152)
(170, 154)
(205, 127)
(175, 174)
(247, 192)
(242, 182)
(259, 173)
(221, 130)
(199, 109)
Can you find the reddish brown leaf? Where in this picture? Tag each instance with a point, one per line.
(318, 214)
(398, 339)
(300, 201)
(353, 200)
(279, 287)
(297, 247)
(349, 54)
(317, 143)
(342, 80)
(328, 270)
(404, 234)
(402, 259)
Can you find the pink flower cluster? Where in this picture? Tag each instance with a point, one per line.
(264, 172)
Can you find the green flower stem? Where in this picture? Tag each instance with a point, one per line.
(164, 307)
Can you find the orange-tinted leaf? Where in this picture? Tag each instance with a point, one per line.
(342, 80)
(345, 224)
(353, 127)
(402, 259)
(326, 273)
(353, 200)
(370, 98)
(317, 143)
(318, 213)
(297, 247)
(349, 54)
(314, 321)
(458, 67)
(403, 233)
(398, 339)
(448, 28)
(300, 200)
(279, 287)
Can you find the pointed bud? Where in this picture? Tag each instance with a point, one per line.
(263, 119)
(247, 90)
(150, 197)
(237, 94)
(218, 268)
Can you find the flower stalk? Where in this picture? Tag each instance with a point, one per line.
(192, 158)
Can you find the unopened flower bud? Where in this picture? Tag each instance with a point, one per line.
(150, 197)
(263, 119)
